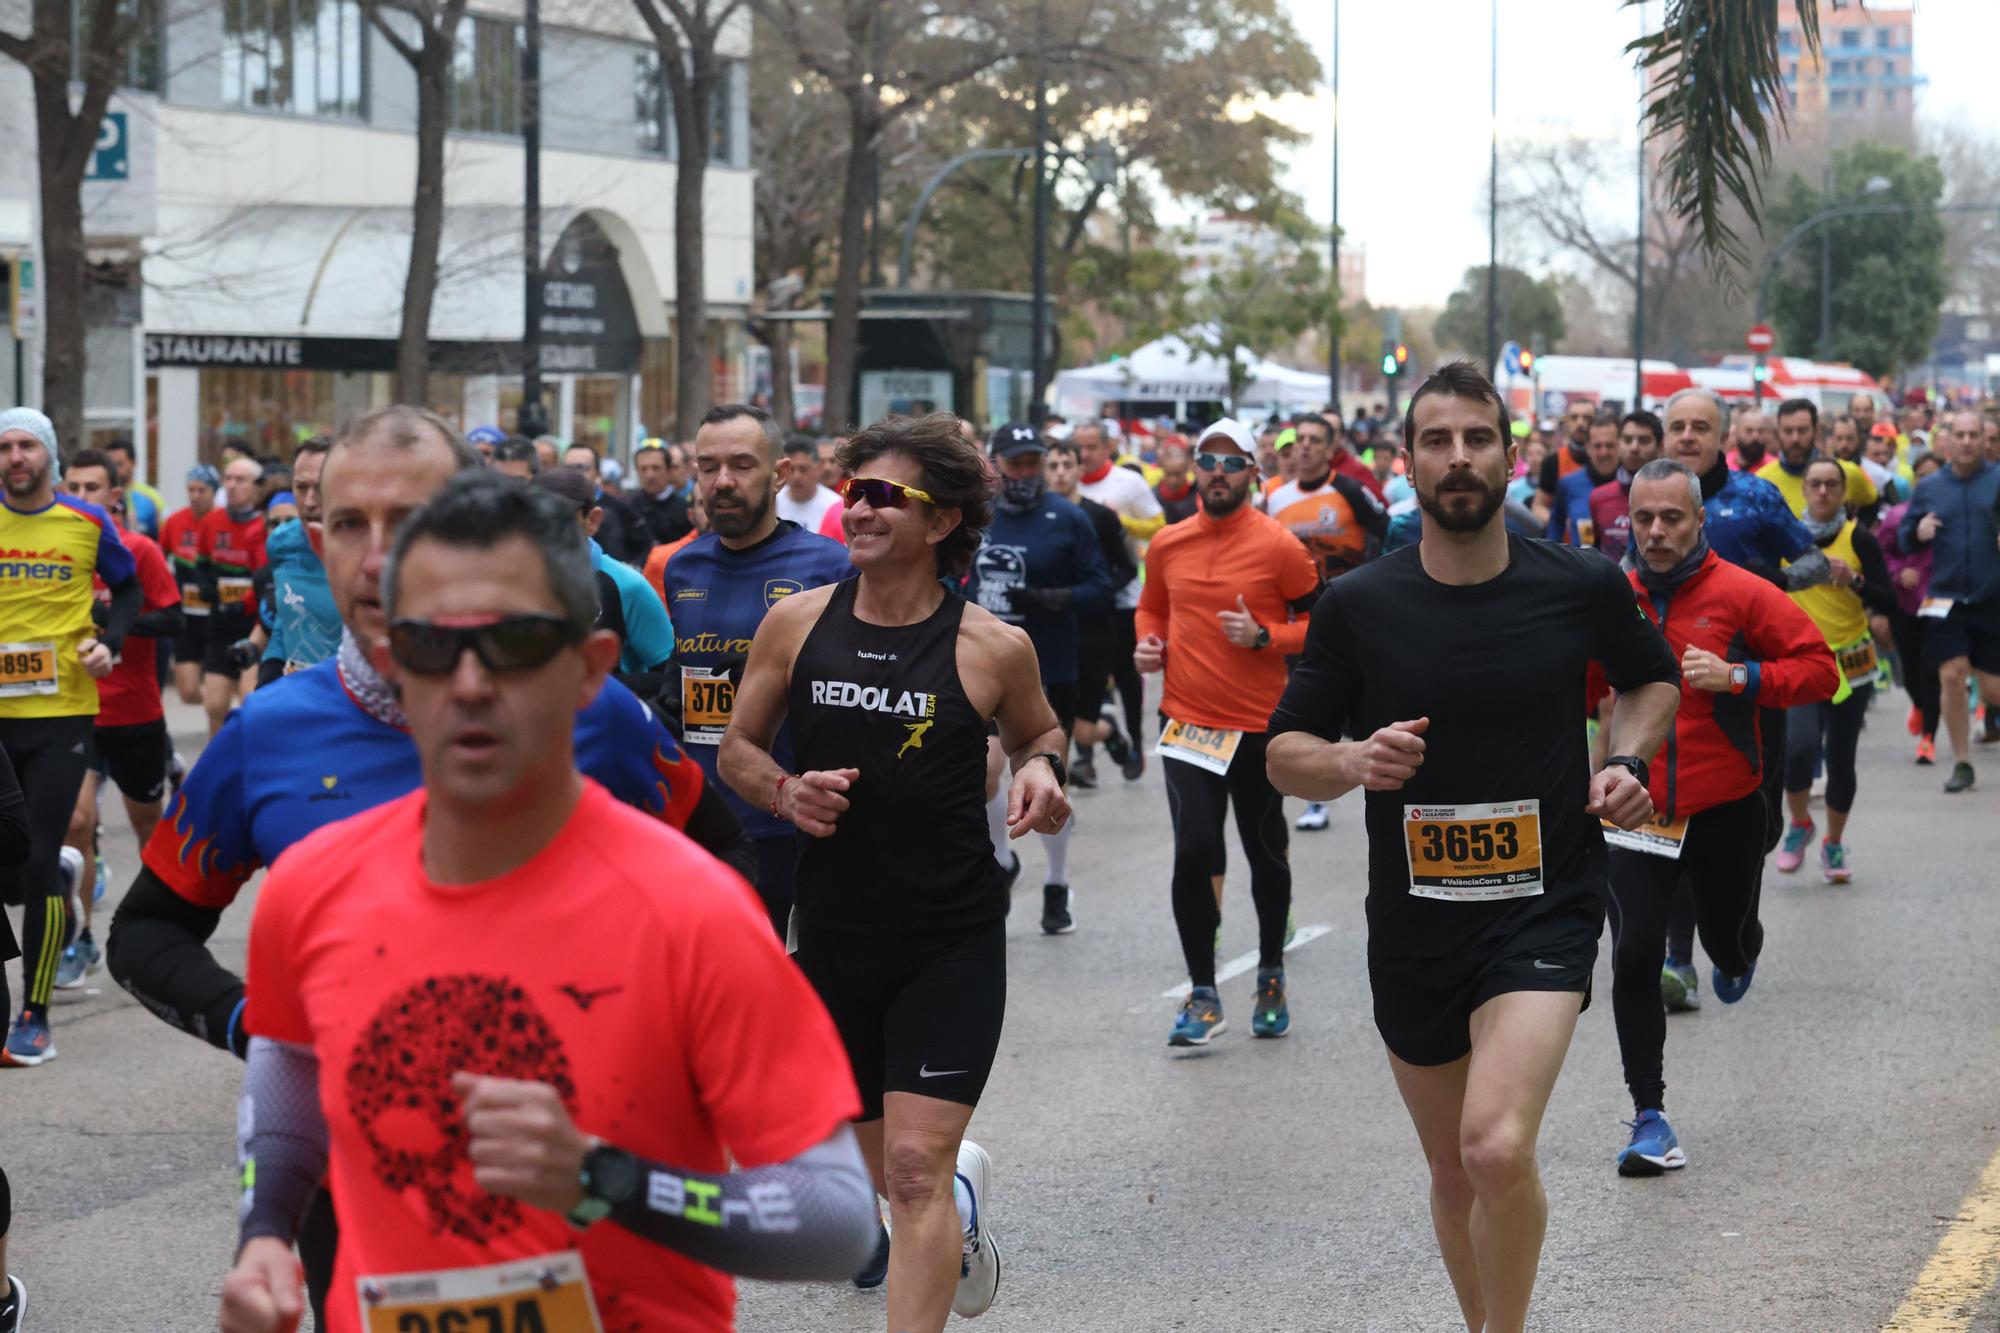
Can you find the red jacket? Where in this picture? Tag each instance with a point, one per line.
(1712, 757)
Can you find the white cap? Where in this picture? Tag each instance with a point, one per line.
(1232, 430)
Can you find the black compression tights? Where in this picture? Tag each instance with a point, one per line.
(1723, 862)
(48, 756)
(1830, 731)
(1198, 801)
(1125, 673)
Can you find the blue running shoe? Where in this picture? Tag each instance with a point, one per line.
(877, 1271)
(78, 962)
(103, 884)
(1200, 1019)
(1653, 1150)
(30, 1043)
(1680, 987)
(1731, 989)
(1271, 1017)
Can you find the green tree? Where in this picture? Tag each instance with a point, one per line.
(1529, 306)
(1888, 271)
(1260, 300)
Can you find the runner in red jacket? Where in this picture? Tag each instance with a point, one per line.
(1743, 645)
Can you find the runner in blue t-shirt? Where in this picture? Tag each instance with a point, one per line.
(1569, 515)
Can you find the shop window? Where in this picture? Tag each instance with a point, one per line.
(653, 110)
(595, 420)
(486, 77)
(142, 58)
(657, 402)
(301, 57)
(263, 412)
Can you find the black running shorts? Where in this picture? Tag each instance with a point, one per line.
(1971, 630)
(191, 639)
(134, 757)
(1423, 1006)
(917, 1014)
(224, 633)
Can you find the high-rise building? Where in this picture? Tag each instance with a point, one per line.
(1865, 71)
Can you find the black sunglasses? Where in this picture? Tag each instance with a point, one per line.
(1227, 464)
(508, 643)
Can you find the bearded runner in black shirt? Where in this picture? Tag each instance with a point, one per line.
(1460, 664)
(889, 681)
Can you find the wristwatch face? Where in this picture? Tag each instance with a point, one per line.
(613, 1174)
(1739, 674)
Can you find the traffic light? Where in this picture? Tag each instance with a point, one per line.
(1527, 362)
(1402, 356)
(1389, 366)
(1760, 372)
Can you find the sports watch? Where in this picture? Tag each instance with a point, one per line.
(610, 1176)
(1633, 764)
(1739, 677)
(1263, 639)
(1055, 762)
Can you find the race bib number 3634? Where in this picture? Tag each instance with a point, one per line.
(546, 1295)
(1474, 853)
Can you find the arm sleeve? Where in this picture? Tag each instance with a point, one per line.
(126, 601)
(281, 1140)
(158, 951)
(1151, 620)
(1146, 517)
(1807, 571)
(810, 1218)
(1369, 512)
(1878, 589)
(161, 624)
(114, 558)
(715, 827)
(14, 831)
(1794, 665)
(1630, 646)
(1092, 589)
(1321, 694)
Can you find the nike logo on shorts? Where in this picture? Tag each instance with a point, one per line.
(925, 1071)
(1548, 967)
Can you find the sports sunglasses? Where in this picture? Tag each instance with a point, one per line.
(503, 644)
(880, 493)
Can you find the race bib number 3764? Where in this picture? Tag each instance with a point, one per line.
(1474, 853)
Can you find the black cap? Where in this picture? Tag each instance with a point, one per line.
(1015, 438)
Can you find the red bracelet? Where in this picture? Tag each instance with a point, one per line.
(775, 791)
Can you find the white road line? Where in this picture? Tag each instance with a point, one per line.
(1237, 966)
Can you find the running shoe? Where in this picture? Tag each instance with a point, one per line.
(1134, 767)
(1731, 989)
(1792, 852)
(1083, 773)
(1056, 919)
(1915, 721)
(1116, 745)
(1272, 1017)
(1926, 750)
(1833, 866)
(979, 1264)
(78, 961)
(1961, 779)
(1653, 1149)
(877, 1271)
(30, 1043)
(1013, 871)
(69, 864)
(1314, 817)
(1680, 986)
(176, 770)
(13, 1306)
(1200, 1018)
(103, 883)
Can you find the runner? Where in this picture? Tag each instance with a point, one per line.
(1176, 490)
(1038, 567)
(1798, 442)
(180, 538)
(889, 681)
(1569, 514)
(801, 498)
(516, 457)
(1097, 640)
(1751, 438)
(686, 1087)
(1461, 664)
(1829, 729)
(329, 741)
(1125, 493)
(1570, 453)
(1227, 596)
(231, 550)
(659, 501)
(1911, 571)
(1742, 647)
(718, 589)
(52, 655)
(1640, 436)
(305, 626)
(626, 603)
(145, 510)
(621, 533)
(1956, 512)
(129, 744)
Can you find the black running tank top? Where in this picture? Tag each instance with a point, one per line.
(911, 853)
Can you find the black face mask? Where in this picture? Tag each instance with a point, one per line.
(1020, 494)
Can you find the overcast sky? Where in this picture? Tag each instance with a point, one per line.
(1415, 90)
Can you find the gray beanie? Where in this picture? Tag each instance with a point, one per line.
(37, 425)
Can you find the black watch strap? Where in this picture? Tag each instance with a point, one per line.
(1056, 763)
(1633, 764)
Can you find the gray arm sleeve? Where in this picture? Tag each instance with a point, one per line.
(809, 1219)
(280, 1138)
(1808, 571)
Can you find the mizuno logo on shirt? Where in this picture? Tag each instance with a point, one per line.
(873, 698)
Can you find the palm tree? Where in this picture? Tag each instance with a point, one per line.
(1718, 92)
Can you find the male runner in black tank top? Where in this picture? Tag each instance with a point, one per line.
(889, 681)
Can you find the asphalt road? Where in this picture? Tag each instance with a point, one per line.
(1834, 1121)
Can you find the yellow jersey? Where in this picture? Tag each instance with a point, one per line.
(47, 558)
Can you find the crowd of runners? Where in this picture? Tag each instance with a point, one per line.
(788, 710)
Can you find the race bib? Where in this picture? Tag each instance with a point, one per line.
(27, 668)
(1655, 837)
(1474, 853)
(707, 698)
(192, 602)
(1858, 665)
(1936, 608)
(233, 590)
(1586, 532)
(551, 1293)
(1204, 747)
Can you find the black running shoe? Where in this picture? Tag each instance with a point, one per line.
(1056, 919)
(13, 1306)
(877, 1271)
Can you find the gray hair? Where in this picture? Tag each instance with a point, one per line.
(407, 427)
(1666, 469)
(1721, 411)
(478, 509)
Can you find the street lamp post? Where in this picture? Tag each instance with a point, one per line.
(1038, 375)
(1493, 211)
(529, 418)
(1333, 355)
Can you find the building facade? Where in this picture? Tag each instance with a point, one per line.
(1865, 72)
(249, 219)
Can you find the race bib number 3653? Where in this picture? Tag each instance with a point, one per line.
(1474, 853)
(548, 1295)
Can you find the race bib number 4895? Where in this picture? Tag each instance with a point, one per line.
(1474, 853)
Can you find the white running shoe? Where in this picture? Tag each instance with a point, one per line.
(979, 1271)
(1314, 817)
(69, 862)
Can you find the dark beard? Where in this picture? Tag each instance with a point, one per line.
(1223, 508)
(1490, 501)
(739, 522)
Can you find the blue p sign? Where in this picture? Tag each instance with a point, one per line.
(110, 161)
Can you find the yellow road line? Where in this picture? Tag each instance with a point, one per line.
(1948, 1292)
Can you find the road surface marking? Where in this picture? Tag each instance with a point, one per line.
(1948, 1293)
(1237, 966)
